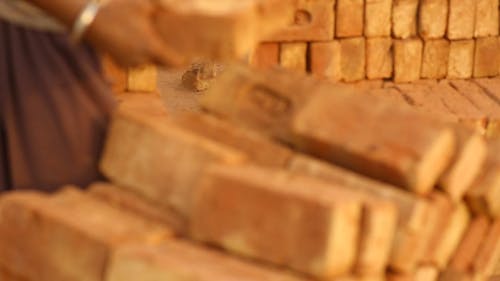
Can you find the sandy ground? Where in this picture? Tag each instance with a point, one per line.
(176, 97)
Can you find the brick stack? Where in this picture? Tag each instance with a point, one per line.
(286, 178)
(403, 40)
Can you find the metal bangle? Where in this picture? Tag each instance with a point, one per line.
(84, 20)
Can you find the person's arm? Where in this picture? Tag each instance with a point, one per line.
(122, 28)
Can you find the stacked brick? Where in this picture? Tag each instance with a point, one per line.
(403, 40)
(285, 179)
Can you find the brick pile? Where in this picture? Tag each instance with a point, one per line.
(402, 40)
(282, 178)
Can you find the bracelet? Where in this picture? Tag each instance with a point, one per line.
(84, 20)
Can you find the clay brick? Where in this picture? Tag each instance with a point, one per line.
(178, 260)
(404, 18)
(461, 61)
(352, 59)
(461, 19)
(466, 166)
(407, 60)
(138, 138)
(413, 211)
(486, 23)
(490, 89)
(378, 18)
(433, 18)
(478, 97)
(447, 235)
(325, 58)
(231, 34)
(313, 21)
(150, 104)
(266, 55)
(116, 75)
(143, 79)
(128, 201)
(49, 231)
(293, 56)
(488, 254)
(379, 58)
(435, 59)
(483, 195)
(487, 57)
(469, 245)
(258, 148)
(350, 18)
(263, 100)
(379, 216)
(287, 214)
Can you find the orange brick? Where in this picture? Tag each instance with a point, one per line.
(433, 18)
(116, 75)
(48, 231)
(379, 58)
(404, 18)
(312, 21)
(178, 260)
(287, 214)
(293, 56)
(350, 17)
(487, 57)
(461, 60)
(488, 254)
(325, 58)
(435, 59)
(137, 138)
(407, 60)
(143, 79)
(461, 19)
(378, 18)
(353, 52)
(469, 246)
(486, 18)
(266, 55)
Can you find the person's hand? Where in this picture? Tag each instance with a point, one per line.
(124, 29)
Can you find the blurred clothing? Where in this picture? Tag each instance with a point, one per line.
(54, 110)
(22, 13)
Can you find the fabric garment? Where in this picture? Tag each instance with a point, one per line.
(54, 110)
(23, 13)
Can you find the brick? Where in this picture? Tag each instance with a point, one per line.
(325, 58)
(378, 15)
(258, 148)
(262, 100)
(352, 59)
(275, 15)
(293, 56)
(174, 260)
(461, 61)
(7, 276)
(407, 60)
(266, 55)
(487, 19)
(433, 18)
(137, 138)
(449, 234)
(379, 215)
(116, 75)
(413, 211)
(230, 35)
(489, 89)
(469, 245)
(287, 214)
(312, 21)
(404, 18)
(143, 79)
(461, 19)
(466, 166)
(487, 57)
(152, 104)
(435, 59)
(478, 97)
(50, 230)
(350, 18)
(483, 194)
(381, 156)
(379, 58)
(488, 254)
(133, 203)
